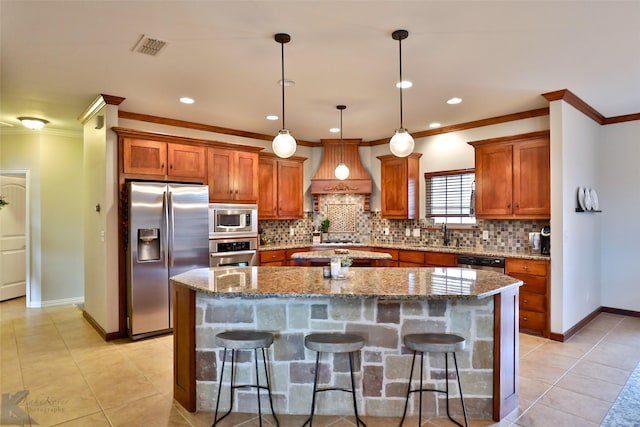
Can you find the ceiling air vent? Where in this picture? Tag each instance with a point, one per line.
(149, 45)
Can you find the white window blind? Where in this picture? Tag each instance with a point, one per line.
(448, 196)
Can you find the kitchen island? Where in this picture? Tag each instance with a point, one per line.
(381, 304)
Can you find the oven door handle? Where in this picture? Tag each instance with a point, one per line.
(233, 253)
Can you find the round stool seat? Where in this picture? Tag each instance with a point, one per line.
(334, 343)
(239, 340)
(434, 343)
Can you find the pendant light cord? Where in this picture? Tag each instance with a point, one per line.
(282, 83)
(400, 55)
(341, 141)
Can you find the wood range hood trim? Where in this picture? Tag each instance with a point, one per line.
(324, 180)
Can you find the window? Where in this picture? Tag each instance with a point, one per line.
(448, 196)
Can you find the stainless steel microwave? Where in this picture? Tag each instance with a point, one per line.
(232, 220)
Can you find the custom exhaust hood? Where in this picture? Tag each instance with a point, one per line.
(324, 180)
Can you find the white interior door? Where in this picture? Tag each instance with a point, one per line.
(13, 241)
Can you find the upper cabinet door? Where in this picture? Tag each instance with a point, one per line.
(290, 197)
(268, 194)
(233, 175)
(400, 186)
(246, 177)
(220, 174)
(144, 157)
(512, 177)
(186, 161)
(531, 179)
(494, 174)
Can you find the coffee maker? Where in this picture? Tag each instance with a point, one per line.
(545, 240)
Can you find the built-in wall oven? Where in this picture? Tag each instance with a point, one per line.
(233, 252)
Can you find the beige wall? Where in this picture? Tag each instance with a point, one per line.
(54, 161)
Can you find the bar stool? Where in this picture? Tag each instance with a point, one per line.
(244, 340)
(334, 343)
(434, 343)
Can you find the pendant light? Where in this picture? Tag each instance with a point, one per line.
(401, 144)
(342, 171)
(284, 145)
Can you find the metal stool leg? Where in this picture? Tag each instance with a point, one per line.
(353, 392)
(313, 396)
(464, 409)
(446, 368)
(266, 371)
(224, 358)
(406, 401)
(421, 387)
(255, 356)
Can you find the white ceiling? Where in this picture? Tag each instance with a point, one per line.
(499, 56)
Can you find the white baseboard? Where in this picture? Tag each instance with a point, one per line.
(52, 303)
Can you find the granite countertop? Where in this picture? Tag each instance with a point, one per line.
(444, 249)
(395, 283)
(330, 253)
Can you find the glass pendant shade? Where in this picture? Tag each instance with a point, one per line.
(401, 144)
(342, 171)
(284, 145)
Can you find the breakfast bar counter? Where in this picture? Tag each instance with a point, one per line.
(381, 304)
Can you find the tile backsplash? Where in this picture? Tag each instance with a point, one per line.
(357, 225)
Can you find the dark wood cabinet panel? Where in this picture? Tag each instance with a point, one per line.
(513, 177)
(186, 161)
(280, 187)
(144, 157)
(400, 186)
(232, 176)
(534, 294)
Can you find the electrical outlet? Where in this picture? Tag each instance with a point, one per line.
(386, 231)
(407, 232)
(292, 231)
(416, 232)
(485, 235)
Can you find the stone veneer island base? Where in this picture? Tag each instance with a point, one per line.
(381, 304)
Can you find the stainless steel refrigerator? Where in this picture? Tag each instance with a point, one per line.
(168, 235)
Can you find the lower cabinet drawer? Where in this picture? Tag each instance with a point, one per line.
(271, 256)
(533, 322)
(533, 302)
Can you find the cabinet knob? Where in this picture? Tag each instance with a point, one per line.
(525, 318)
(508, 205)
(517, 205)
(526, 267)
(526, 301)
(162, 166)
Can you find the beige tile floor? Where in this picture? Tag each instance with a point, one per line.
(74, 378)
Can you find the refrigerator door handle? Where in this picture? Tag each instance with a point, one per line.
(172, 228)
(165, 235)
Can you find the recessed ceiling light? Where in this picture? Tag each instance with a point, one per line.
(453, 101)
(272, 117)
(334, 130)
(187, 100)
(404, 84)
(33, 122)
(434, 125)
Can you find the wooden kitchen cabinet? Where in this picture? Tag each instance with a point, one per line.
(534, 294)
(275, 257)
(408, 258)
(400, 186)
(163, 160)
(513, 177)
(280, 192)
(232, 175)
(440, 259)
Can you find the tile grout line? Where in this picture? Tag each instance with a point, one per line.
(568, 370)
